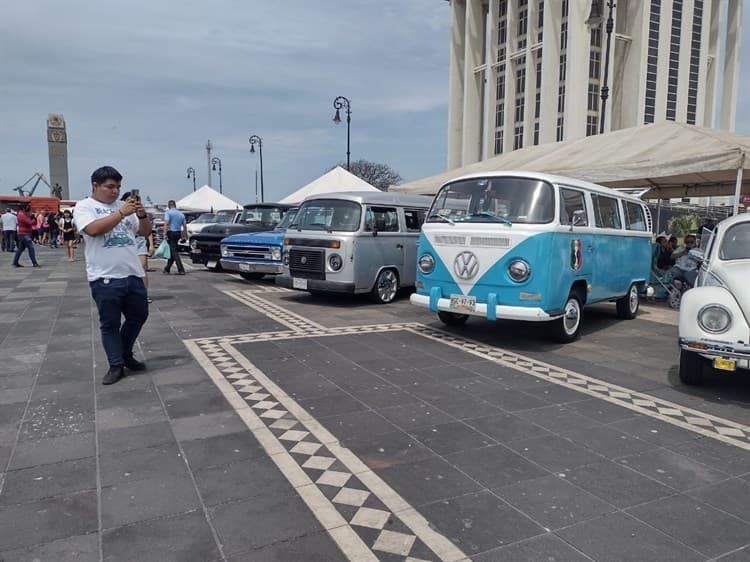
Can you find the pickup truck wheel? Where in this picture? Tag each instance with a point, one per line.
(252, 276)
(452, 318)
(568, 327)
(691, 367)
(386, 287)
(627, 306)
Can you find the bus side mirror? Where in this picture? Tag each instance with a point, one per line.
(579, 217)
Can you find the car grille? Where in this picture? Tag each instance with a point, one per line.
(308, 264)
(250, 252)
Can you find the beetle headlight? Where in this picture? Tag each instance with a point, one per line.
(275, 254)
(426, 263)
(335, 262)
(224, 251)
(714, 319)
(519, 270)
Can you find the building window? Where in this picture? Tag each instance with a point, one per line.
(651, 61)
(520, 109)
(594, 87)
(523, 23)
(563, 72)
(674, 59)
(500, 109)
(502, 30)
(538, 96)
(540, 21)
(695, 53)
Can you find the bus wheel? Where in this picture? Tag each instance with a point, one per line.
(252, 276)
(452, 318)
(386, 287)
(567, 328)
(691, 367)
(627, 306)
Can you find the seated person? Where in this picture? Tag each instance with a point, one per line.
(685, 268)
(664, 260)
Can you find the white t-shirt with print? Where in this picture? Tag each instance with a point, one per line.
(113, 254)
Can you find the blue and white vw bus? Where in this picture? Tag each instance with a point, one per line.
(528, 246)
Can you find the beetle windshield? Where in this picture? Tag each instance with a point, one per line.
(504, 200)
(328, 214)
(736, 242)
(265, 217)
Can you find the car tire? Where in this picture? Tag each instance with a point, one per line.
(568, 327)
(252, 276)
(452, 318)
(627, 306)
(386, 287)
(691, 367)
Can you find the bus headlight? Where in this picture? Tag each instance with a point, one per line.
(276, 254)
(426, 263)
(519, 271)
(335, 262)
(224, 251)
(714, 319)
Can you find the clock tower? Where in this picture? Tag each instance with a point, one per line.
(57, 142)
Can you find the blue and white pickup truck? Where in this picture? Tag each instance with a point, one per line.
(255, 254)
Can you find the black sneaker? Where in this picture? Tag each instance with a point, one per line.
(37, 265)
(113, 375)
(133, 364)
(165, 271)
(17, 265)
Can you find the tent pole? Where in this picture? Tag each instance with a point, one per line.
(658, 216)
(738, 189)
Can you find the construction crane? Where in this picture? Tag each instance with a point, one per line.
(39, 177)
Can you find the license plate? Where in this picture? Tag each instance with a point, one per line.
(244, 267)
(725, 364)
(463, 303)
(211, 264)
(298, 283)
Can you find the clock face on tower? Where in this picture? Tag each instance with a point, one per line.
(54, 135)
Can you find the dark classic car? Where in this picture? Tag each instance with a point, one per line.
(258, 217)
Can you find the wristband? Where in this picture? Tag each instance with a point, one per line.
(122, 215)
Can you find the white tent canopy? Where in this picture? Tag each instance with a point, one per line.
(208, 200)
(333, 181)
(673, 159)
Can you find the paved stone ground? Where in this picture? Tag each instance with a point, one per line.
(272, 425)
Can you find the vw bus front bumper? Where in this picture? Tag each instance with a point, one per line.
(529, 314)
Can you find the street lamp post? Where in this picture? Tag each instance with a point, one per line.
(339, 103)
(595, 20)
(216, 165)
(209, 146)
(191, 174)
(255, 139)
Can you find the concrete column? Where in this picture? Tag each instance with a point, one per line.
(456, 84)
(490, 90)
(713, 7)
(686, 48)
(550, 72)
(703, 81)
(577, 83)
(731, 65)
(473, 85)
(662, 72)
(628, 73)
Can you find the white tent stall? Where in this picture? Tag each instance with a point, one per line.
(207, 200)
(334, 181)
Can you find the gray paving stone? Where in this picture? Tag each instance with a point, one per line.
(14, 395)
(382, 395)
(48, 520)
(694, 523)
(208, 403)
(618, 536)
(135, 437)
(655, 431)
(451, 437)
(48, 480)
(412, 416)
(337, 402)
(554, 453)
(479, 522)
(601, 411)
(19, 380)
(543, 547)
(557, 418)
(358, 424)
(208, 425)
(732, 496)
(221, 450)
(182, 537)
(315, 547)
(677, 471)
(178, 375)
(129, 416)
(495, 466)
(388, 449)
(718, 455)
(129, 502)
(607, 441)
(158, 462)
(242, 479)
(45, 419)
(81, 548)
(117, 396)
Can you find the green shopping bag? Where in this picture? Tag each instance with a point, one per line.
(163, 250)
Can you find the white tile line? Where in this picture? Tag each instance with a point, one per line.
(324, 511)
(444, 548)
(263, 306)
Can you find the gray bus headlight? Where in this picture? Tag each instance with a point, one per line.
(194, 244)
(426, 263)
(275, 254)
(224, 251)
(714, 319)
(519, 271)
(335, 262)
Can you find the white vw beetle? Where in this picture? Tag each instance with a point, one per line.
(715, 315)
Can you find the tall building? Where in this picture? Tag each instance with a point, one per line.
(526, 72)
(57, 143)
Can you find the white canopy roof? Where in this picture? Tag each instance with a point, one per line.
(334, 181)
(673, 159)
(208, 200)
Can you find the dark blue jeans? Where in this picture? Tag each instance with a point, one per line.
(25, 242)
(116, 298)
(9, 240)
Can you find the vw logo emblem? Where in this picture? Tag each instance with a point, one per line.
(303, 260)
(466, 265)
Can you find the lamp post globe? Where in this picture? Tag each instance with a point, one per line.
(191, 174)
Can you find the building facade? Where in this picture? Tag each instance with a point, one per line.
(527, 72)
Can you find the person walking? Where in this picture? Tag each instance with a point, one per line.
(69, 235)
(176, 229)
(42, 231)
(9, 224)
(113, 270)
(52, 228)
(25, 226)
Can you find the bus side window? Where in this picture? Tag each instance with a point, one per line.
(606, 211)
(414, 219)
(634, 218)
(384, 219)
(570, 202)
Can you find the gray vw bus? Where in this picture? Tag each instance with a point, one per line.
(355, 242)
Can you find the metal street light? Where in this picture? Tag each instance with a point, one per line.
(255, 139)
(216, 161)
(595, 20)
(191, 174)
(339, 103)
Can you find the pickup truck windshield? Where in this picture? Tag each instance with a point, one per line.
(265, 217)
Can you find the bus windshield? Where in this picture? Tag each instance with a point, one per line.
(506, 200)
(328, 214)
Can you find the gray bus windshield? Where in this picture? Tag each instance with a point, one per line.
(505, 200)
(328, 214)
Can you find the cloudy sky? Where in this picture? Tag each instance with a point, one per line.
(144, 84)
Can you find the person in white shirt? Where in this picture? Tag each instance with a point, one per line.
(685, 267)
(9, 223)
(113, 269)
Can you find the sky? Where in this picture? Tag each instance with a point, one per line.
(144, 84)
